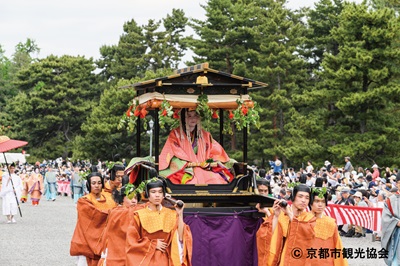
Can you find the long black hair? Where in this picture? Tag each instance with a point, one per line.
(184, 111)
(154, 184)
(264, 182)
(319, 182)
(119, 194)
(88, 185)
(116, 167)
(300, 187)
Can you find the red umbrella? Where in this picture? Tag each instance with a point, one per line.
(7, 144)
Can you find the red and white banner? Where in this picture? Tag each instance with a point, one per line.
(366, 217)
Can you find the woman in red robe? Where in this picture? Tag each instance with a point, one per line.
(157, 236)
(191, 156)
(35, 187)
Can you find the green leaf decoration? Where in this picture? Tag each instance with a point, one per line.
(321, 191)
(165, 114)
(110, 164)
(131, 191)
(293, 184)
(210, 160)
(244, 116)
(84, 174)
(203, 110)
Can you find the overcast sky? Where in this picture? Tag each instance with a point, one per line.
(80, 27)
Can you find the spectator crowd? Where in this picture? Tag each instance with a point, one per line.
(363, 187)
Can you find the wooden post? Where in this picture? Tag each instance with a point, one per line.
(156, 138)
(221, 127)
(138, 137)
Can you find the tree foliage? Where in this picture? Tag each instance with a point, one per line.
(143, 48)
(226, 35)
(23, 56)
(280, 35)
(361, 81)
(321, 21)
(56, 94)
(5, 78)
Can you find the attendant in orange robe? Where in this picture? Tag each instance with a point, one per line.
(157, 236)
(115, 182)
(35, 187)
(191, 156)
(113, 244)
(285, 236)
(92, 216)
(326, 232)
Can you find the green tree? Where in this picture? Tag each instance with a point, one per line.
(386, 3)
(321, 21)
(319, 109)
(155, 40)
(143, 48)
(165, 47)
(175, 43)
(5, 79)
(23, 56)
(226, 35)
(56, 95)
(124, 60)
(6, 91)
(225, 39)
(285, 130)
(361, 81)
(101, 138)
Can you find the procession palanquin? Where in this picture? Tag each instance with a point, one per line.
(216, 96)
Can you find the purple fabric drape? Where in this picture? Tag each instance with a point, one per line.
(223, 240)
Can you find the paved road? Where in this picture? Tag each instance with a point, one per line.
(363, 244)
(42, 237)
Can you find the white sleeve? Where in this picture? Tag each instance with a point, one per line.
(18, 187)
(180, 247)
(5, 187)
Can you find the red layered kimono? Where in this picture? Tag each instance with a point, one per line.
(35, 187)
(186, 162)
